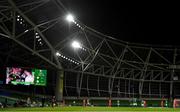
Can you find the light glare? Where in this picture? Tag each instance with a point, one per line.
(57, 54)
(76, 44)
(70, 18)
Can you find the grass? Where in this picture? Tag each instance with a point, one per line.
(90, 109)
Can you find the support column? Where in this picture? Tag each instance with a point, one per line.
(171, 79)
(59, 85)
(171, 88)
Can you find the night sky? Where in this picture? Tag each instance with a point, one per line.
(151, 24)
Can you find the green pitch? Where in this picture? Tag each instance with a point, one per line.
(89, 109)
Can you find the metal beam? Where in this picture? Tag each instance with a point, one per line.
(37, 29)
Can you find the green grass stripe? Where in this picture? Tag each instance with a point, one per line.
(89, 109)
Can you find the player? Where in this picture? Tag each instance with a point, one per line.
(29, 77)
(53, 101)
(28, 101)
(13, 74)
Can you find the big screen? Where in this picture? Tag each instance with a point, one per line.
(22, 76)
(19, 76)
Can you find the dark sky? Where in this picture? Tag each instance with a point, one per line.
(151, 24)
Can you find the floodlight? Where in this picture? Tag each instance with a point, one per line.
(26, 31)
(57, 54)
(70, 18)
(76, 44)
(37, 36)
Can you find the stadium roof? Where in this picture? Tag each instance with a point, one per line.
(32, 32)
